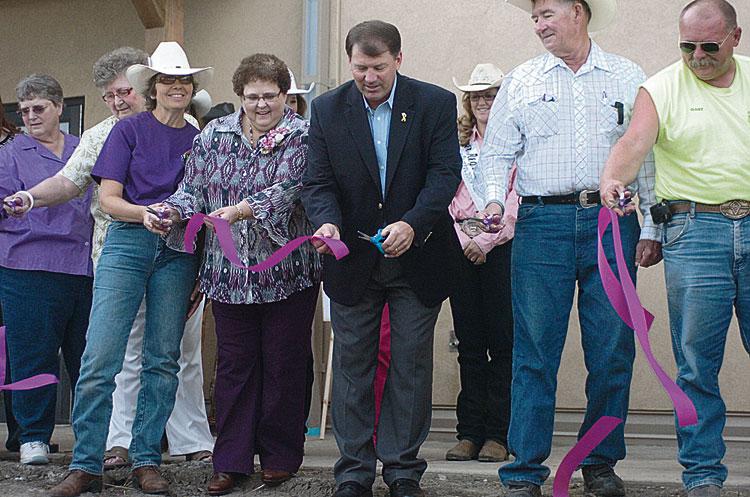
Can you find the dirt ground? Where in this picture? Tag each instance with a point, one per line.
(189, 479)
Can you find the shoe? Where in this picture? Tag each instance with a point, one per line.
(601, 480)
(464, 450)
(148, 479)
(75, 483)
(352, 489)
(220, 484)
(493, 451)
(205, 456)
(275, 477)
(520, 490)
(403, 487)
(34, 453)
(705, 491)
(116, 457)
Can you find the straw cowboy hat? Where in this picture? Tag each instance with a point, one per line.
(168, 58)
(202, 103)
(293, 90)
(483, 77)
(602, 11)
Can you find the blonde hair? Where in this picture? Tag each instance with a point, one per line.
(467, 121)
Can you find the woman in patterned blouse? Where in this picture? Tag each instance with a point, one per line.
(246, 168)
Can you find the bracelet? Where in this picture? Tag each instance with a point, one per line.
(240, 214)
(28, 196)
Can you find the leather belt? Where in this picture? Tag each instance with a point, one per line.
(733, 209)
(585, 198)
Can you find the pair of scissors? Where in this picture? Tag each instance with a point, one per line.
(376, 239)
(624, 200)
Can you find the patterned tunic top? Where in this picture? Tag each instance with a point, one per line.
(222, 170)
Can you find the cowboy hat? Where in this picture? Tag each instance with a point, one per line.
(202, 103)
(293, 90)
(483, 77)
(168, 58)
(602, 11)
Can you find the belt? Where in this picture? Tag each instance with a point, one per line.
(733, 209)
(585, 198)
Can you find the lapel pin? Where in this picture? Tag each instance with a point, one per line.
(403, 117)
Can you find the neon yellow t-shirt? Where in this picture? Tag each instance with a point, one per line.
(702, 152)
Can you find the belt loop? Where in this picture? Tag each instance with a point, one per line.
(540, 200)
(692, 210)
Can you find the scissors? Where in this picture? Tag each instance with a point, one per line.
(474, 226)
(624, 200)
(376, 239)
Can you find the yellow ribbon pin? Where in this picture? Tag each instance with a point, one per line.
(403, 117)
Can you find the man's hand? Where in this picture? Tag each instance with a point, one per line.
(327, 230)
(196, 297)
(16, 205)
(474, 253)
(611, 191)
(398, 238)
(647, 253)
(493, 209)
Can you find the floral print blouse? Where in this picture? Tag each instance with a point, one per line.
(224, 168)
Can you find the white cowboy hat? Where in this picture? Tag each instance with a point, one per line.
(483, 77)
(602, 11)
(293, 90)
(168, 58)
(202, 103)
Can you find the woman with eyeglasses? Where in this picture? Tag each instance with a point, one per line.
(481, 304)
(45, 264)
(141, 164)
(245, 168)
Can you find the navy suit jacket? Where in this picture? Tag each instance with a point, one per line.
(342, 186)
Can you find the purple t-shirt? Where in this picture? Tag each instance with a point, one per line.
(146, 157)
(55, 239)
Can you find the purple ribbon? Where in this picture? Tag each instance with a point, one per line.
(580, 450)
(624, 298)
(36, 381)
(224, 234)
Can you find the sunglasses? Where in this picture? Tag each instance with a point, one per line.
(38, 109)
(488, 98)
(706, 46)
(167, 79)
(120, 92)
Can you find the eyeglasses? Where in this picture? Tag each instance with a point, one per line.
(488, 98)
(37, 109)
(120, 92)
(168, 79)
(253, 99)
(706, 46)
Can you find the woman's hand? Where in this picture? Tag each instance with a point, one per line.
(232, 213)
(474, 253)
(16, 205)
(159, 218)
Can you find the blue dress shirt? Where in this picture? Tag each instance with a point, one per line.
(380, 127)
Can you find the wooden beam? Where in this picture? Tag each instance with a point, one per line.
(174, 21)
(151, 12)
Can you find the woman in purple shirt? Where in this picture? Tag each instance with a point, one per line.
(246, 168)
(140, 165)
(45, 264)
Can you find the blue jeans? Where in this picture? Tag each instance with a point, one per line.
(44, 312)
(553, 250)
(707, 270)
(133, 262)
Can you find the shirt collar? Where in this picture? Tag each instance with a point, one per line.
(389, 101)
(596, 59)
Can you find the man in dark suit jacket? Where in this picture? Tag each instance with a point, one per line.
(383, 154)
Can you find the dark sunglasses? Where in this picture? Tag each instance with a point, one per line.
(38, 109)
(706, 46)
(167, 79)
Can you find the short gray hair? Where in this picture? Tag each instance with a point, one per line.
(112, 64)
(39, 86)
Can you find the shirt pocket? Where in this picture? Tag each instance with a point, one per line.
(541, 114)
(609, 118)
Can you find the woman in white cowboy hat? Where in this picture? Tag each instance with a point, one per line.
(481, 304)
(140, 165)
(295, 98)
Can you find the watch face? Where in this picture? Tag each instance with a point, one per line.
(472, 227)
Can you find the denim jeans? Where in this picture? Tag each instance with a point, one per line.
(554, 248)
(45, 312)
(707, 271)
(133, 262)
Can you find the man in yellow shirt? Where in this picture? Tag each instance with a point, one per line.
(696, 116)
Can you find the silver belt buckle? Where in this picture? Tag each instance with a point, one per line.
(735, 209)
(583, 199)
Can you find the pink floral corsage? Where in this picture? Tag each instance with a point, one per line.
(272, 139)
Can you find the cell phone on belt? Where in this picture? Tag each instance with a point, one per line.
(660, 212)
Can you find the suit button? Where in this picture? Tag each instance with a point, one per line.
(380, 206)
